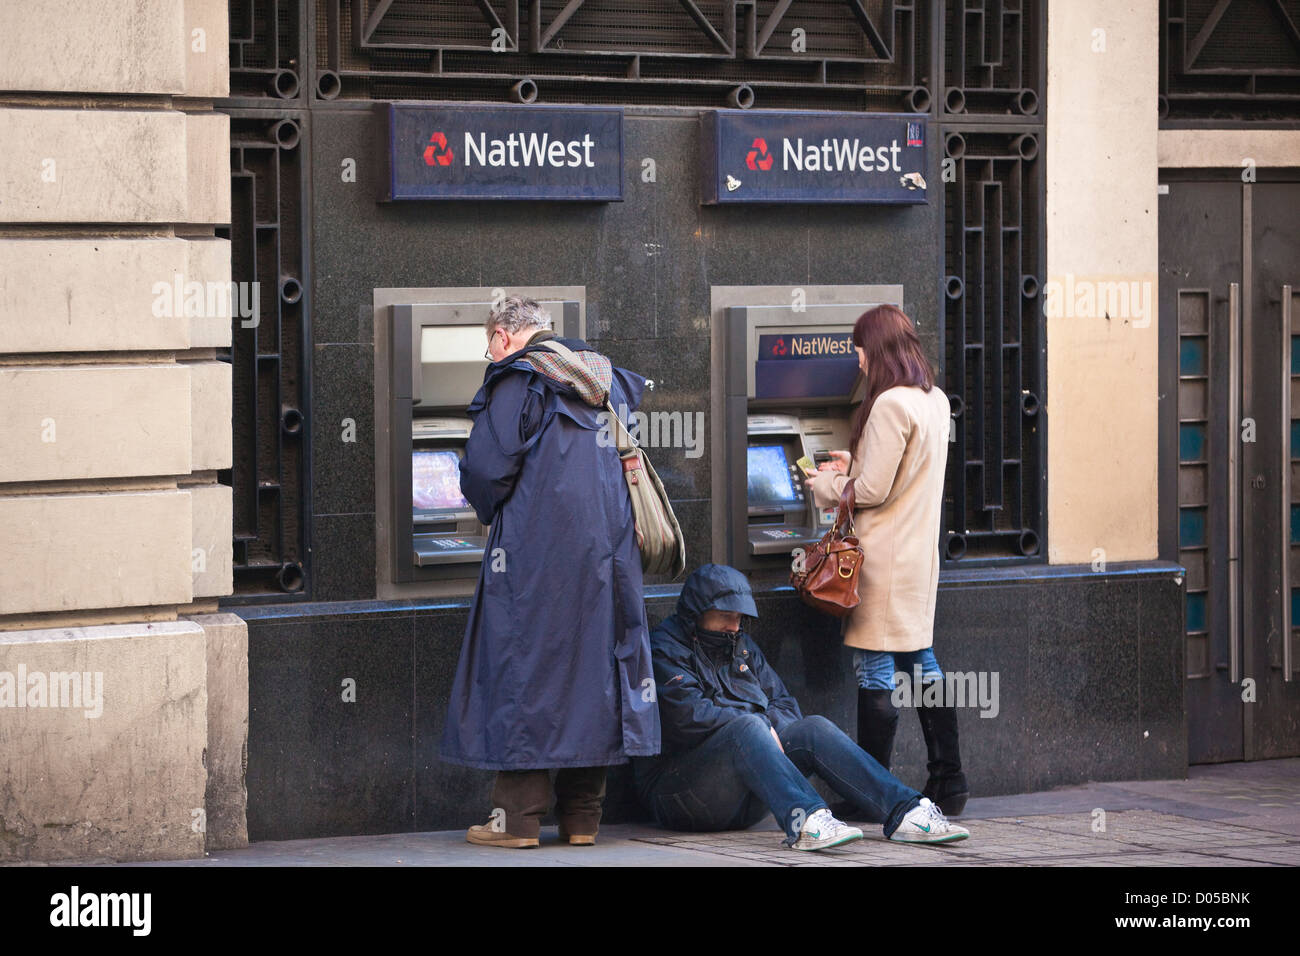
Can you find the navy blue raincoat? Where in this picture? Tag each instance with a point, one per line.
(555, 669)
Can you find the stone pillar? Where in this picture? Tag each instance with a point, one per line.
(1101, 295)
(123, 694)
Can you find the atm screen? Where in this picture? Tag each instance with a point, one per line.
(452, 343)
(769, 475)
(435, 481)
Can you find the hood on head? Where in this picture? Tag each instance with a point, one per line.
(714, 587)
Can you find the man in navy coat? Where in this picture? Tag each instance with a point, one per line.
(555, 670)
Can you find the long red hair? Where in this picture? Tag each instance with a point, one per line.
(894, 357)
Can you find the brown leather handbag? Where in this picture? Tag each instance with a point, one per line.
(829, 578)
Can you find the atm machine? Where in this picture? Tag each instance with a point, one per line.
(437, 365)
(790, 382)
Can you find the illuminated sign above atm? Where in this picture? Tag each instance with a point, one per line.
(806, 345)
(815, 156)
(809, 364)
(521, 152)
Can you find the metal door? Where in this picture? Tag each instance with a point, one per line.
(1229, 274)
(1270, 514)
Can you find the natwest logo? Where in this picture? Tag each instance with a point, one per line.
(528, 149)
(437, 152)
(806, 345)
(758, 157)
(815, 345)
(837, 155)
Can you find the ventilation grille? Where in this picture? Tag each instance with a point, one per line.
(1236, 61)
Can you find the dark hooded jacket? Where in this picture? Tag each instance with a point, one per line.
(555, 666)
(702, 685)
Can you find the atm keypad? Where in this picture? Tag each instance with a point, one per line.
(797, 479)
(449, 543)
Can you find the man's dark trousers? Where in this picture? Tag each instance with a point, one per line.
(525, 796)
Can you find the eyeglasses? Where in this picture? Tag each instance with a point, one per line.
(488, 354)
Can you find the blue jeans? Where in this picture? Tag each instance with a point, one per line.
(730, 780)
(876, 669)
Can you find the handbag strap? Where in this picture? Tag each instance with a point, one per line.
(844, 513)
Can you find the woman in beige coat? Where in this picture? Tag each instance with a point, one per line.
(897, 469)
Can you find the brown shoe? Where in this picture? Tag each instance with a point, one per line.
(577, 839)
(483, 835)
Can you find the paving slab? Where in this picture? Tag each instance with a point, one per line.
(1242, 814)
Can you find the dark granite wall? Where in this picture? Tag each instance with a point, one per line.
(1089, 688)
(647, 263)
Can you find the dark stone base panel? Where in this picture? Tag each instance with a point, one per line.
(1089, 688)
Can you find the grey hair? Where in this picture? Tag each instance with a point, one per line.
(515, 313)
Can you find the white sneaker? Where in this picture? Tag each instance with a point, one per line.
(821, 830)
(925, 824)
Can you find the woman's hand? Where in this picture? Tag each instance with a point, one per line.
(838, 465)
(839, 462)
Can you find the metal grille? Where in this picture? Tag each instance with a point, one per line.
(994, 56)
(994, 52)
(848, 54)
(266, 54)
(1229, 61)
(994, 338)
(269, 358)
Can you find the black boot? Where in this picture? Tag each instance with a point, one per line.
(877, 721)
(947, 784)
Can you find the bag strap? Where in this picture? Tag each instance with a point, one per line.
(844, 513)
(563, 351)
(623, 438)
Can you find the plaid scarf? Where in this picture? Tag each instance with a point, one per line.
(591, 380)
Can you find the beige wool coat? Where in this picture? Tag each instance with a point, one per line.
(898, 473)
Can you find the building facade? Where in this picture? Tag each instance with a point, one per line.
(1096, 262)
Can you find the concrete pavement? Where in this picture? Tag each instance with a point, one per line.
(1240, 814)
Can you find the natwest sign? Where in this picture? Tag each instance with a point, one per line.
(514, 152)
(806, 345)
(814, 156)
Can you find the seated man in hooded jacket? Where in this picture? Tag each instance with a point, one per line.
(736, 745)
